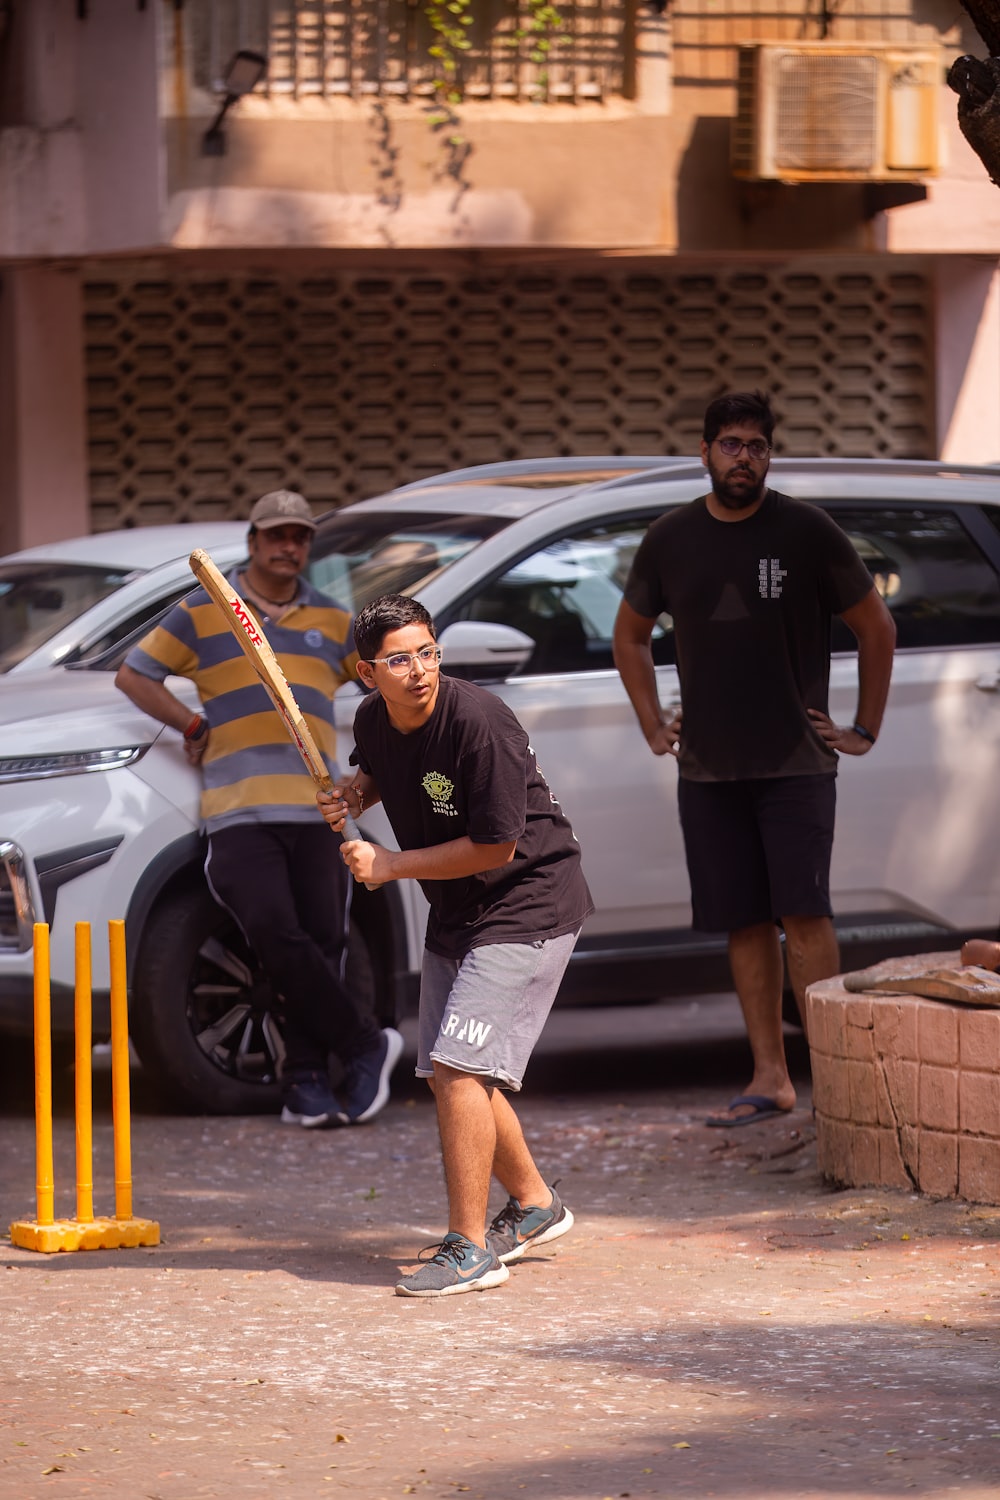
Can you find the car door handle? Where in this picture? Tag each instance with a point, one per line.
(989, 683)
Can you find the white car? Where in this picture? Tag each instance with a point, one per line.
(65, 601)
(522, 567)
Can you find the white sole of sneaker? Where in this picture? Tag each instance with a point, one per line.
(311, 1122)
(495, 1277)
(560, 1227)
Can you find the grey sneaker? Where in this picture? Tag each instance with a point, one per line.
(456, 1265)
(515, 1228)
(368, 1088)
(309, 1101)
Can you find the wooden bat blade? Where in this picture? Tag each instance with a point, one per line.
(264, 662)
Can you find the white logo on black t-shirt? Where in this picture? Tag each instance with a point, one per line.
(769, 576)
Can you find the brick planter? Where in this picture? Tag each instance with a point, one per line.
(906, 1090)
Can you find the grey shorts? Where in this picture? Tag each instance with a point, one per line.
(484, 1013)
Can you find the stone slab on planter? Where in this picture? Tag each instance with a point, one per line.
(906, 1090)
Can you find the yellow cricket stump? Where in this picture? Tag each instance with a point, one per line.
(84, 1232)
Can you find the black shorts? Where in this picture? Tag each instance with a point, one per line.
(758, 850)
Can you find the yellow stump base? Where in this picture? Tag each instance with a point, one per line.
(85, 1234)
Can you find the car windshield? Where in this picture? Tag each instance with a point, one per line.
(38, 599)
(357, 557)
(354, 558)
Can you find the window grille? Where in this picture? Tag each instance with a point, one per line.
(205, 388)
(358, 48)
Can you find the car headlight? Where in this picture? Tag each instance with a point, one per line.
(68, 763)
(17, 914)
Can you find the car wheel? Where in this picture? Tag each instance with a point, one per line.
(203, 1014)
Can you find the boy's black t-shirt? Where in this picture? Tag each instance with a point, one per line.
(752, 602)
(469, 771)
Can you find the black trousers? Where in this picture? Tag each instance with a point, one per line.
(289, 890)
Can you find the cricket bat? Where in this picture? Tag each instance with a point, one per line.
(264, 662)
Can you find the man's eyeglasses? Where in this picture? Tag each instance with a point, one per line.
(732, 448)
(399, 662)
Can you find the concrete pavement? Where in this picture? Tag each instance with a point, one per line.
(719, 1323)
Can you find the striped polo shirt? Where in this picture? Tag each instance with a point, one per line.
(252, 772)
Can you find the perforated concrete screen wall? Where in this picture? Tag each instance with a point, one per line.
(206, 389)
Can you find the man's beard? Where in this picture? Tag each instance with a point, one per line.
(739, 496)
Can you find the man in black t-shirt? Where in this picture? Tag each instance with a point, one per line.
(752, 580)
(500, 866)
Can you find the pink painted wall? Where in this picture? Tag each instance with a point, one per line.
(961, 214)
(967, 362)
(43, 450)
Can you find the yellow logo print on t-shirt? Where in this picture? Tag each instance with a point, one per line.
(439, 789)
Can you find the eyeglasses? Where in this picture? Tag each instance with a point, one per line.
(399, 662)
(732, 448)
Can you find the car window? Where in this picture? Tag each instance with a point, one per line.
(107, 653)
(133, 627)
(992, 514)
(38, 599)
(940, 587)
(566, 597)
(355, 558)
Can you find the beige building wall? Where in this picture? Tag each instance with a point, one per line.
(87, 169)
(90, 173)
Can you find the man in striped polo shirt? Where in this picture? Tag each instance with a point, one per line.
(271, 862)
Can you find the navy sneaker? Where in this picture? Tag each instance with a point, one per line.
(515, 1228)
(456, 1265)
(308, 1100)
(368, 1088)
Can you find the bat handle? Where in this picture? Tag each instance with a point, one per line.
(349, 833)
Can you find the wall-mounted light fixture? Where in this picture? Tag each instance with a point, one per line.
(242, 76)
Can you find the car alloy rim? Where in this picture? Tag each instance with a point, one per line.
(231, 1013)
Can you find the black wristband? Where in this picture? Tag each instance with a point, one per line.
(864, 733)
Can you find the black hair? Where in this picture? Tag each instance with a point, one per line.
(736, 409)
(389, 612)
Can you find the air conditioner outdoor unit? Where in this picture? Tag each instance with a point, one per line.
(836, 112)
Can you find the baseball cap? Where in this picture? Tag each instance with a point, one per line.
(282, 508)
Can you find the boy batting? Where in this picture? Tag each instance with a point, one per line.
(496, 858)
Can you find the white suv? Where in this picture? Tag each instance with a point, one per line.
(522, 567)
(64, 601)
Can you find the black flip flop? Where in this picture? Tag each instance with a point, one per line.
(763, 1108)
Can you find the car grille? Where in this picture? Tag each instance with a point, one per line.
(17, 914)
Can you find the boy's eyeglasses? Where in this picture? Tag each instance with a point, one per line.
(732, 448)
(399, 662)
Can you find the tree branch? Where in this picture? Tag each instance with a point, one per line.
(985, 17)
(977, 84)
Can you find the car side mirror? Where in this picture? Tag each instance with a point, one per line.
(482, 651)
